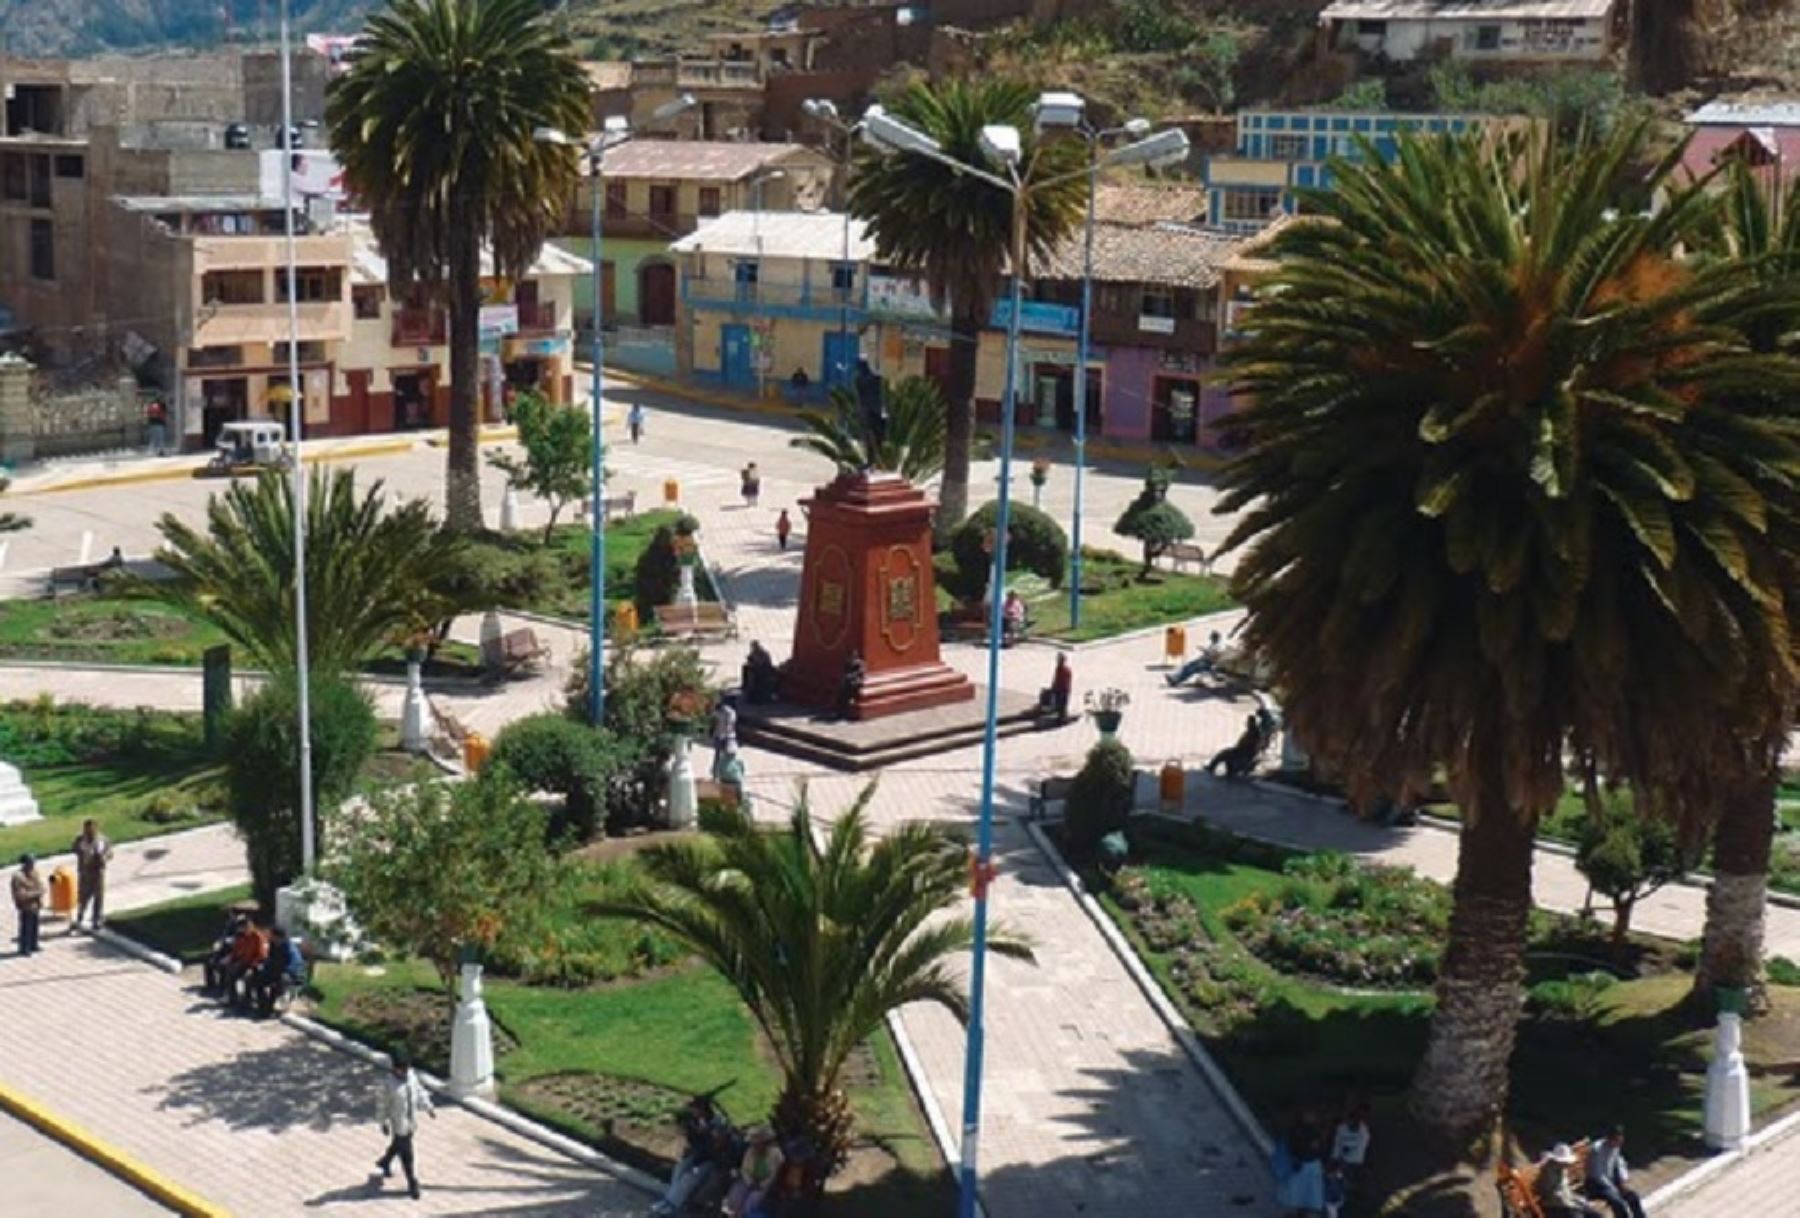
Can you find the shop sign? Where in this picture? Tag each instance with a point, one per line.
(539, 348)
(499, 319)
(900, 297)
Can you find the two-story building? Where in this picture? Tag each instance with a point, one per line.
(1763, 136)
(1281, 152)
(1492, 32)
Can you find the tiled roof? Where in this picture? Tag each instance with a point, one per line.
(1467, 10)
(1122, 203)
(369, 266)
(1747, 114)
(703, 160)
(1178, 255)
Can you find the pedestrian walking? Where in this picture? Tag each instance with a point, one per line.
(402, 1100)
(634, 421)
(92, 854)
(724, 736)
(28, 900)
(750, 483)
(783, 527)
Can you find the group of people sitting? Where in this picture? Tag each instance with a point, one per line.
(253, 965)
(1316, 1162)
(1566, 1188)
(723, 1170)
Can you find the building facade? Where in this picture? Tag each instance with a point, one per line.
(1495, 32)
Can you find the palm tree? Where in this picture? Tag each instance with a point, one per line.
(1767, 242)
(1497, 511)
(820, 942)
(912, 446)
(372, 575)
(433, 124)
(953, 229)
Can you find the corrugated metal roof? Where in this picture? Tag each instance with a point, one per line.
(368, 265)
(705, 160)
(779, 234)
(194, 203)
(1747, 114)
(1467, 10)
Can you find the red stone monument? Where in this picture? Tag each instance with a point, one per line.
(868, 588)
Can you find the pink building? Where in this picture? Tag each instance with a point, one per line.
(1764, 135)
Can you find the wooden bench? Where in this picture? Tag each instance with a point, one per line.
(701, 620)
(705, 789)
(624, 505)
(1518, 1185)
(512, 650)
(1049, 791)
(1181, 553)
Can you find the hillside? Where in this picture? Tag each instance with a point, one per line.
(85, 27)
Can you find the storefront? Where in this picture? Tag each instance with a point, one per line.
(536, 365)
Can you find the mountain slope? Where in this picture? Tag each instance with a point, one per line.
(85, 27)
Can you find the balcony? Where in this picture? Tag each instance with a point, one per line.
(538, 318)
(1143, 330)
(420, 327)
(225, 253)
(230, 325)
(717, 74)
(813, 300)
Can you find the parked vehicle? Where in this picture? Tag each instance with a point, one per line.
(249, 447)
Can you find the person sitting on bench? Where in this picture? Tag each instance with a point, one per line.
(760, 678)
(1555, 1186)
(284, 970)
(1207, 661)
(1240, 758)
(213, 971)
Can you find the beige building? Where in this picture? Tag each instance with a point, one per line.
(665, 188)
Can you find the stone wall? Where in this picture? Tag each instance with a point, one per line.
(37, 422)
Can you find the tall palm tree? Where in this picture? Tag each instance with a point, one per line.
(1497, 511)
(953, 229)
(820, 942)
(433, 124)
(1766, 239)
(372, 574)
(912, 445)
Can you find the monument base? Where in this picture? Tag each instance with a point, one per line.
(897, 691)
(869, 743)
(17, 806)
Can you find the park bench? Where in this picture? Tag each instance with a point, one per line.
(706, 789)
(512, 650)
(624, 505)
(701, 620)
(1518, 1185)
(83, 578)
(1181, 553)
(1054, 789)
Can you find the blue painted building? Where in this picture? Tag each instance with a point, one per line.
(1280, 152)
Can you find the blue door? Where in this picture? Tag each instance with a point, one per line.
(840, 357)
(734, 356)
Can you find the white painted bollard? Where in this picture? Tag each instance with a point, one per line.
(3, 548)
(1727, 1087)
(472, 1040)
(685, 595)
(87, 547)
(684, 804)
(491, 632)
(509, 511)
(415, 712)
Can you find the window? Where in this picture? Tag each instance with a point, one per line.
(1371, 29)
(311, 352)
(69, 167)
(365, 300)
(12, 176)
(43, 250)
(662, 201)
(40, 180)
(1287, 147)
(843, 277)
(311, 283)
(1485, 38)
(745, 273)
(1157, 302)
(215, 357)
(709, 200)
(615, 200)
(1251, 204)
(232, 287)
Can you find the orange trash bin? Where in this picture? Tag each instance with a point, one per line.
(1172, 785)
(62, 892)
(1174, 643)
(671, 491)
(625, 618)
(475, 752)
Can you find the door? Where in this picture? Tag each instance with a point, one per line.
(656, 294)
(734, 356)
(360, 416)
(1176, 411)
(937, 367)
(1052, 389)
(839, 365)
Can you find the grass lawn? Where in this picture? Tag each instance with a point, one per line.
(1115, 600)
(107, 629)
(559, 568)
(612, 1061)
(184, 928)
(1638, 1058)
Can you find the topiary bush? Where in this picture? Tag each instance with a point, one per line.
(1101, 796)
(549, 752)
(1152, 519)
(658, 573)
(1035, 543)
(262, 770)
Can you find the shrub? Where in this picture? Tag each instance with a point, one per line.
(658, 573)
(549, 752)
(1625, 854)
(1101, 796)
(1573, 999)
(262, 774)
(1035, 543)
(648, 701)
(1152, 519)
(1783, 971)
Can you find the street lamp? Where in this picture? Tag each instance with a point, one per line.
(825, 111)
(1067, 111)
(614, 131)
(1004, 149)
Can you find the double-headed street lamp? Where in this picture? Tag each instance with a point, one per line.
(1003, 148)
(615, 131)
(1068, 112)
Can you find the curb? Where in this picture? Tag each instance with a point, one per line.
(1152, 991)
(705, 397)
(1688, 1182)
(131, 947)
(112, 1160)
(178, 473)
(934, 1115)
(486, 1109)
(1217, 617)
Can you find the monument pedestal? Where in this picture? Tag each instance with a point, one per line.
(868, 589)
(16, 803)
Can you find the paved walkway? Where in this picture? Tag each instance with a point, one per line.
(45, 1177)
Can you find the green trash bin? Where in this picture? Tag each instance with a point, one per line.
(1732, 1000)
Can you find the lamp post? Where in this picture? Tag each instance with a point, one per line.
(826, 111)
(309, 849)
(1068, 112)
(614, 131)
(1001, 146)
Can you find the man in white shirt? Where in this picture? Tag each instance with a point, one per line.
(400, 1103)
(1607, 1174)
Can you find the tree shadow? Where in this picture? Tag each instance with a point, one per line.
(285, 1086)
(544, 1183)
(766, 587)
